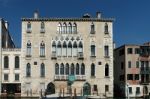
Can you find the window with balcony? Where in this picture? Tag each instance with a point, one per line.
(77, 69)
(74, 28)
(106, 29)
(28, 49)
(69, 49)
(92, 28)
(28, 27)
(61, 69)
(82, 69)
(59, 28)
(17, 62)
(70, 28)
(28, 70)
(6, 77)
(64, 28)
(56, 69)
(16, 77)
(74, 50)
(6, 62)
(59, 49)
(64, 49)
(42, 27)
(106, 70)
(42, 70)
(93, 50)
(67, 69)
(72, 69)
(42, 49)
(92, 70)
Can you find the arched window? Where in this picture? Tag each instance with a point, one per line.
(42, 49)
(92, 69)
(56, 69)
(69, 28)
(28, 48)
(72, 69)
(92, 28)
(80, 49)
(74, 50)
(106, 70)
(59, 49)
(82, 69)
(64, 49)
(17, 62)
(54, 47)
(64, 28)
(28, 70)
(6, 62)
(106, 29)
(67, 69)
(74, 28)
(69, 51)
(42, 27)
(59, 28)
(62, 69)
(42, 70)
(77, 69)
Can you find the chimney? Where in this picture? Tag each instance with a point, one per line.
(98, 14)
(36, 14)
(6, 24)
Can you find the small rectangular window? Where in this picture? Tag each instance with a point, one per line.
(6, 77)
(130, 90)
(16, 77)
(136, 76)
(106, 49)
(137, 90)
(129, 76)
(129, 64)
(122, 65)
(137, 51)
(99, 63)
(35, 63)
(106, 88)
(95, 87)
(129, 50)
(92, 50)
(137, 64)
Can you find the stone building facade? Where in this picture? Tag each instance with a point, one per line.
(56, 50)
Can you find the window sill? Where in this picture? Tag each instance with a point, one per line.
(93, 76)
(93, 56)
(28, 55)
(107, 76)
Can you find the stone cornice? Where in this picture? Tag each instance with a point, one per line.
(69, 19)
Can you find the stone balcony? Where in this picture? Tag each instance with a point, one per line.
(65, 77)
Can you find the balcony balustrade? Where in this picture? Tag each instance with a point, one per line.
(65, 77)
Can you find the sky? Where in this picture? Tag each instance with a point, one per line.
(131, 25)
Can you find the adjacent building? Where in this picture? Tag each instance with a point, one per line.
(131, 70)
(56, 50)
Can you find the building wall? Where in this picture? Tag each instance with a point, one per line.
(83, 31)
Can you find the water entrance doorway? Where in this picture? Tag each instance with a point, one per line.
(11, 89)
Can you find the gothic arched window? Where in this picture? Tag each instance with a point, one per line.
(82, 69)
(106, 70)
(92, 69)
(62, 69)
(42, 70)
(67, 69)
(42, 49)
(28, 48)
(28, 70)
(77, 69)
(56, 69)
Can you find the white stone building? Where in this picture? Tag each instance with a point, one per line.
(55, 49)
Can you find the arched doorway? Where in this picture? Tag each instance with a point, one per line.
(50, 88)
(86, 89)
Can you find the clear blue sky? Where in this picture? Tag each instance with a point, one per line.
(132, 17)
